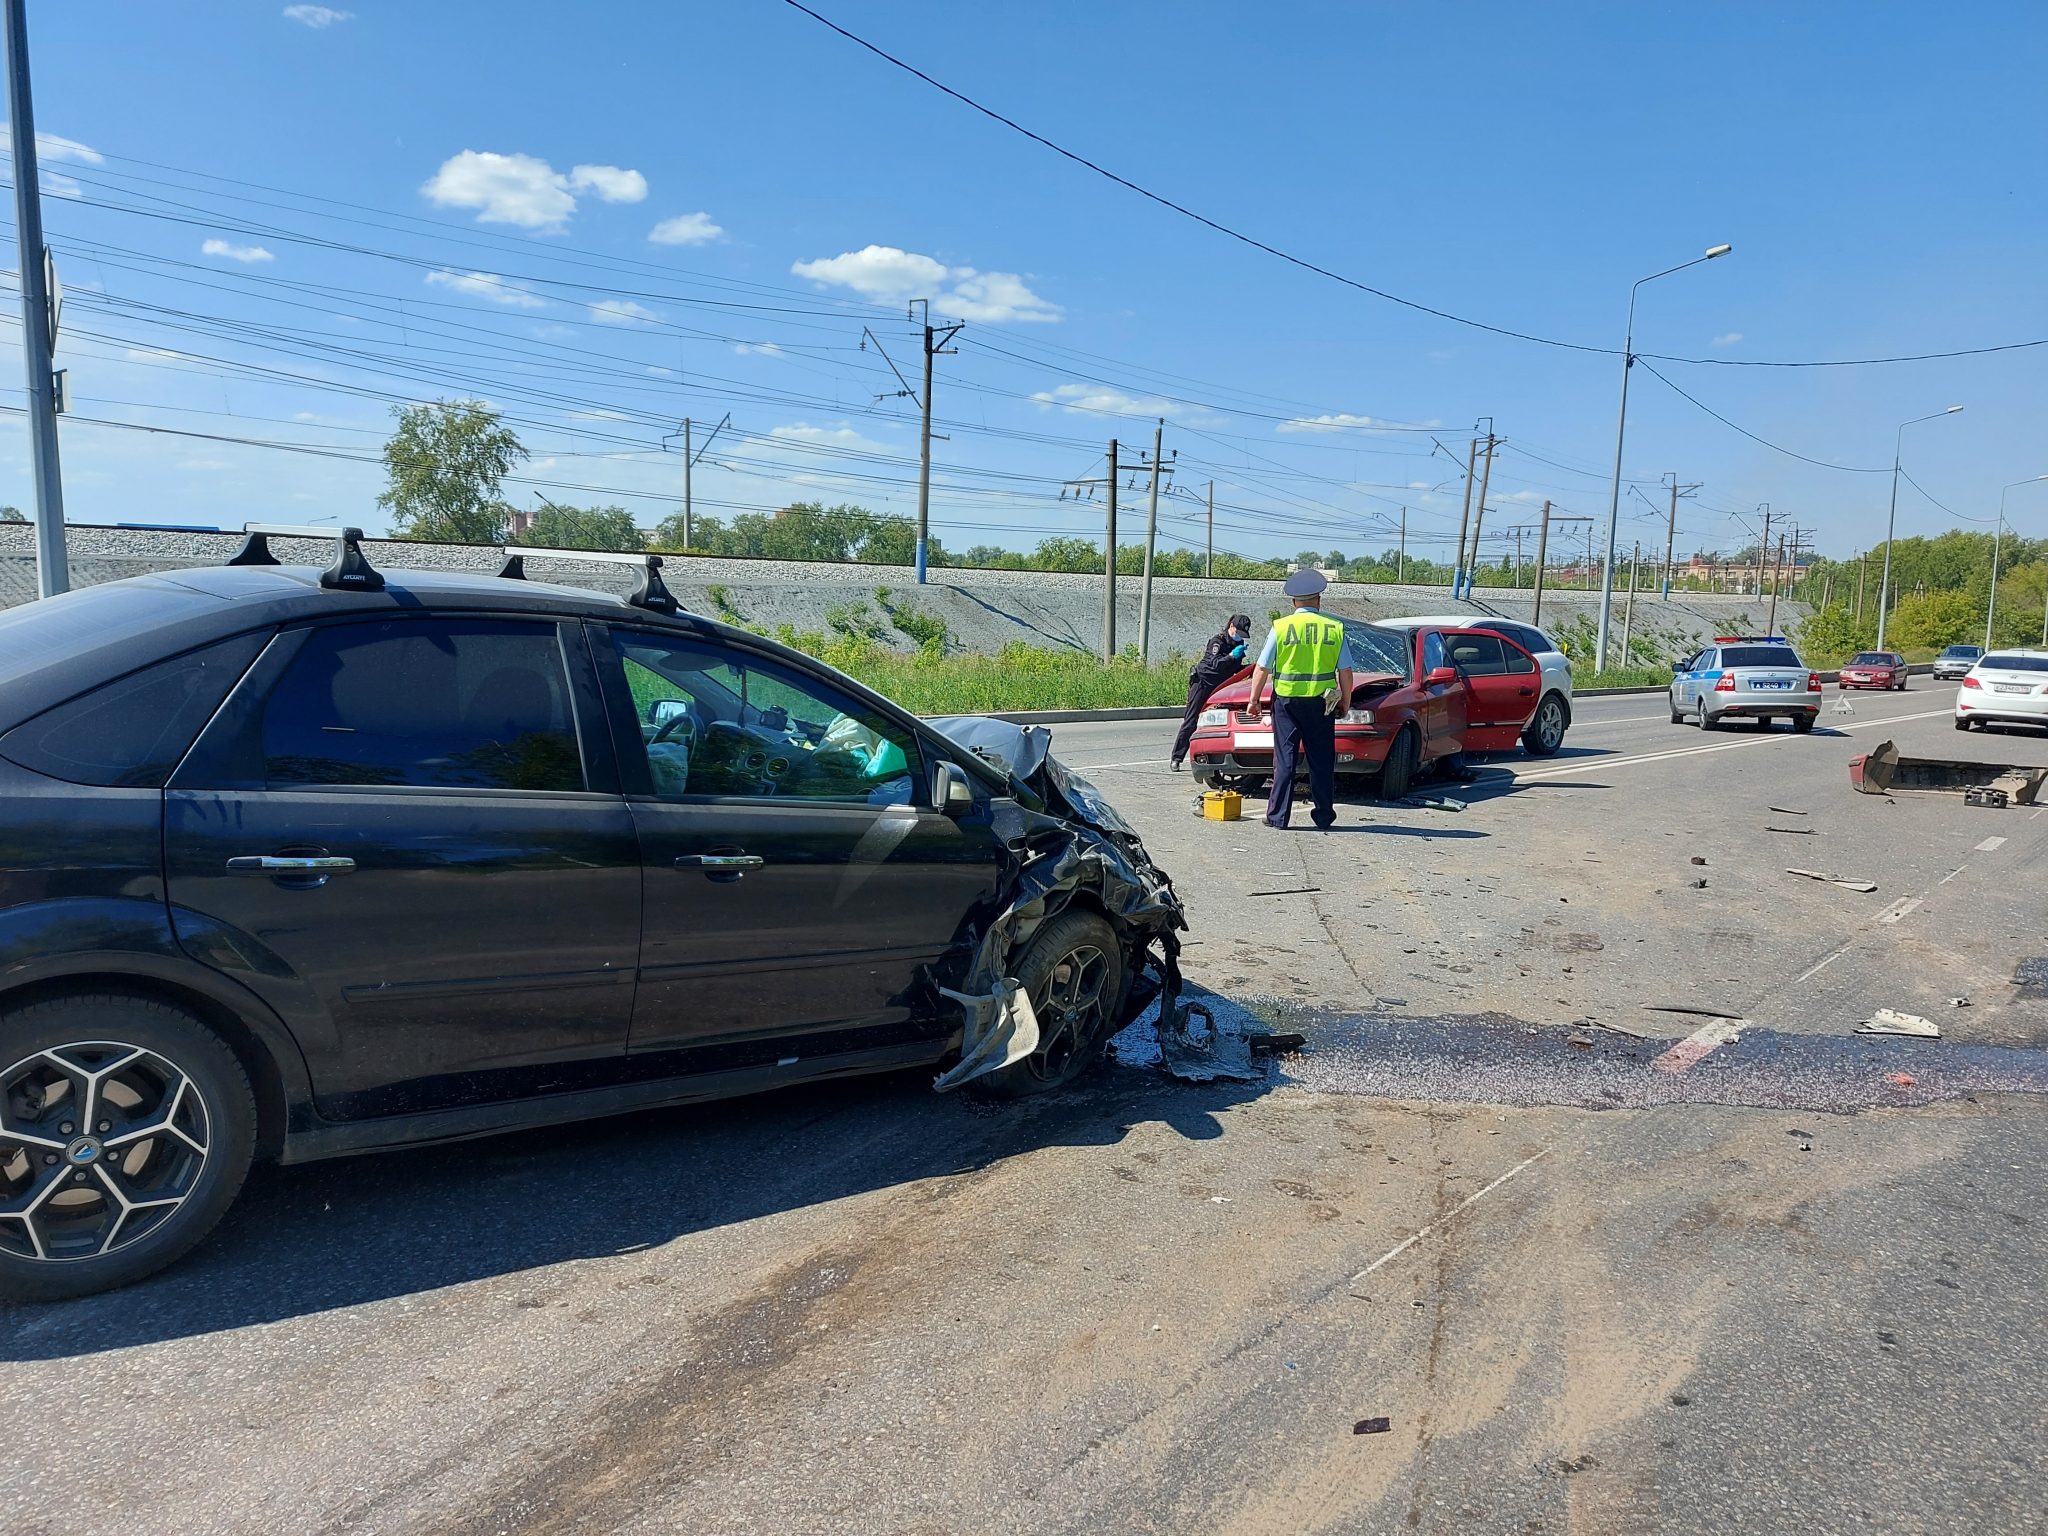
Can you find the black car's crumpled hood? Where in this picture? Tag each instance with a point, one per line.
(1060, 839)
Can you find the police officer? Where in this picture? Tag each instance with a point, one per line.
(1222, 659)
(1310, 664)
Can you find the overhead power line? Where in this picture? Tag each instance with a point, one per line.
(1847, 469)
(1306, 265)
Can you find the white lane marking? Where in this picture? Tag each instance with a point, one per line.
(1400, 1248)
(1991, 845)
(1602, 764)
(1904, 907)
(1817, 967)
(1698, 1045)
(1944, 880)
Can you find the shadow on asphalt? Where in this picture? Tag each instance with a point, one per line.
(321, 1236)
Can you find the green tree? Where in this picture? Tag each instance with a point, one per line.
(581, 528)
(446, 464)
(1930, 620)
(11, 515)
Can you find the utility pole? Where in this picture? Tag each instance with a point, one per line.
(1762, 546)
(1465, 516)
(1589, 557)
(38, 315)
(1518, 559)
(1479, 516)
(1671, 531)
(1151, 540)
(688, 463)
(1542, 551)
(1777, 581)
(1401, 565)
(691, 454)
(934, 346)
(1109, 564)
(1628, 612)
(1862, 570)
(1209, 557)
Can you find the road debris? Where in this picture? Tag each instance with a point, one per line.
(1698, 885)
(1698, 860)
(1800, 831)
(1986, 798)
(1434, 803)
(1377, 1426)
(1583, 1042)
(1889, 1021)
(1275, 1044)
(1786, 810)
(1196, 1049)
(1292, 890)
(1616, 1029)
(1899, 1079)
(1959, 1002)
(1705, 1013)
(1882, 771)
(1827, 879)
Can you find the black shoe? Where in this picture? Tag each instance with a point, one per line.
(1176, 765)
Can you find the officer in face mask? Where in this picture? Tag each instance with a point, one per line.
(1222, 659)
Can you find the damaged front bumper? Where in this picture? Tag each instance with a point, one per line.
(1061, 844)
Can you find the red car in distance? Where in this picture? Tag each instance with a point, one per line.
(1874, 669)
(1418, 696)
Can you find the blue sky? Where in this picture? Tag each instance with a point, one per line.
(607, 219)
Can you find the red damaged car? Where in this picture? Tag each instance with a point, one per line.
(1418, 696)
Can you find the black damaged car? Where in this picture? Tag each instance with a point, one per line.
(298, 863)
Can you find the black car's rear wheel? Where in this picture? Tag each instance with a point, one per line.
(1073, 972)
(126, 1130)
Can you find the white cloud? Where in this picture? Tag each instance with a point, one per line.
(524, 191)
(685, 229)
(661, 373)
(1342, 421)
(318, 17)
(887, 275)
(1728, 339)
(483, 285)
(622, 312)
(758, 349)
(57, 184)
(1418, 485)
(242, 253)
(1096, 399)
(611, 184)
(151, 354)
(54, 146)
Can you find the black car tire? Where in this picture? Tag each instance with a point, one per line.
(1677, 717)
(1962, 722)
(1545, 731)
(1701, 718)
(181, 1080)
(1804, 723)
(1397, 776)
(1076, 951)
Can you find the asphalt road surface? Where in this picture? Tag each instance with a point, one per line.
(1506, 1249)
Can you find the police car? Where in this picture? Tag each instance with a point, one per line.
(1745, 677)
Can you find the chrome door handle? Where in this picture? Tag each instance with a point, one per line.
(720, 861)
(271, 864)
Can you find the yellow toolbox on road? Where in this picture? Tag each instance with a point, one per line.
(1222, 805)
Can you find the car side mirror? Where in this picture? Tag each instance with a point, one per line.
(661, 711)
(951, 792)
(1438, 675)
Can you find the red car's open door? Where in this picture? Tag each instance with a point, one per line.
(1502, 682)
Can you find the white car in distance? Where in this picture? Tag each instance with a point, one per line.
(2007, 687)
(1544, 733)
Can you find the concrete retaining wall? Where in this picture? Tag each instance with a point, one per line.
(982, 610)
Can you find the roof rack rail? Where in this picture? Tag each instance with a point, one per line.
(351, 571)
(651, 594)
(255, 550)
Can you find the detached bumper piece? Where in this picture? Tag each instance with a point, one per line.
(1882, 771)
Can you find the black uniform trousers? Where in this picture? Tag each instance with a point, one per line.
(1303, 726)
(1200, 686)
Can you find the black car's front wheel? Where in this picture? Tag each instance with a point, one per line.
(1073, 972)
(126, 1130)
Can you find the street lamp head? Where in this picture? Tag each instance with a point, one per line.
(1951, 410)
(1717, 250)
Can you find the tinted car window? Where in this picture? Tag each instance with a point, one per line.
(1760, 656)
(1432, 651)
(455, 703)
(726, 725)
(1997, 663)
(131, 732)
(1479, 655)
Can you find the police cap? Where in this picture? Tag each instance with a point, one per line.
(1306, 582)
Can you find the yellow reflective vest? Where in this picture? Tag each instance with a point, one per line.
(1306, 652)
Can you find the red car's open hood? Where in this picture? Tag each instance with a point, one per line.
(1233, 694)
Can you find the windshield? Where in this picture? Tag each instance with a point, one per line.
(1870, 659)
(2014, 663)
(1380, 650)
(1964, 650)
(1759, 656)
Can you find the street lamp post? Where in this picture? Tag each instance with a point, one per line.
(1884, 585)
(1991, 606)
(1628, 358)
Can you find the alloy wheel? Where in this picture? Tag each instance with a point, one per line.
(100, 1144)
(1071, 1010)
(1550, 725)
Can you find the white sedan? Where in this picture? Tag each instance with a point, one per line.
(2007, 688)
